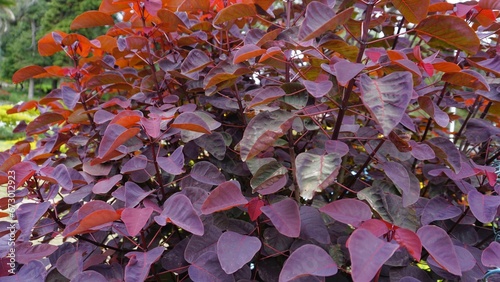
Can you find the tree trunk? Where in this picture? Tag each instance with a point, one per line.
(31, 89)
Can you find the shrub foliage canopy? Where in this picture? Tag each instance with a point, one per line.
(261, 140)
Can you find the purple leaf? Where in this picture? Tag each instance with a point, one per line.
(89, 275)
(348, 211)
(61, 175)
(25, 252)
(439, 245)
(368, 254)
(491, 255)
(135, 219)
(465, 258)
(264, 96)
(387, 98)
(479, 130)
(262, 131)
(199, 245)
(33, 271)
(70, 264)
(421, 151)
(402, 179)
(308, 260)
(174, 164)
(152, 125)
(345, 71)
(235, 250)
(315, 172)
(207, 268)
(320, 18)
(446, 151)
(214, 144)
(179, 210)
(103, 186)
(114, 136)
(318, 89)
(227, 195)
(207, 172)
(285, 216)
(335, 146)
(137, 268)
(27, 215)
(131, 194)
(484, 207)
(439, 209)
(134, 164)
(70, 97)
(195, 61)
(441, 118)
(312, 225)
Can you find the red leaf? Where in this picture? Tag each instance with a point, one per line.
(254, 208)
(40, 124)
(94, 219)
(410, 241)
(114, 136)
(192, 122)
(27, 73)
(246, 52)
(91, 19)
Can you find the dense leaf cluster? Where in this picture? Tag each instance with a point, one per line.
(262, 140)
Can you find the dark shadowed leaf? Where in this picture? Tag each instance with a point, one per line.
(89, 275)
(103, 186)
(25, 252)
(137, 268)
(446, 151)
(91, 19)
(483, 207)
(480, 130)
(308, 260)
(387, 98)
(491, 255)
(413, 10)
(312, 225)
(235, 250)
(199, 245)
(227, 195)
(195, 61)
(439, 245)
(207, 268)
(439, 209)
(449, 32)
(42, 122)
(263, 96)
(233, 12)
(368, 254)
(207, 172)
(70, 264)
(467, 78)
(214, 144)
(173, 164)
(285, 216)
(348, 211)
(27, 215)
(316, 172)
(135, 219)
(33, 271)
(320, 18)
(179, 210)
(489, 65)
(191, 122)
(262, 131)
(434, 111)
(398, 174)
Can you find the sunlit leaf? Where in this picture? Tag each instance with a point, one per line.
(413, 10)
(307, 260)
(320, 18)
(483, 207)
(179, 210)
(440, 247)
(246, 246)
(387, 98)
(449, 32)
(42, 122)
(348, 211)
(247, 52)
(233, 12)
(315, 172)
(27, 73)
(92, 220)
(467, 78)
(91, 19)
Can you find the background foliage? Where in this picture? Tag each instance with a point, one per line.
(262, 140)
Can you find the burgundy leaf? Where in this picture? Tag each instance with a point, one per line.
(345, 71)
(225, 196)
(235, 250)
(434, 111)
(491, 255)
(70, 97)
(421, 151)
(483, 207)
(103, 186)
(318, 89)
(114, 136)
(254, 208)
(207, 268)
(308, 260)
(439, 245)
(368, 254)
(312, 225)
(207, 172)
(195, 61)
(285, 216)
(70, 264)
(401, 178)
(446, 151)
(387, 98)
(320, 18)
(174, 164)
(152, 125)
(179, 210)
(376, 226)
(348, 211)
(137, 268)
(410, 241)
(135, 219)
(214, 144)
(264, 96)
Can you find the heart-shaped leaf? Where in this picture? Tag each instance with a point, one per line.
(103, 186)
(135, 219)
(285, 216)
(308, 260)
(316, 172)
(312, 225)
(179, 210)
(137, 269)
(225, 196)
(173, 164)
(348, 211)
(483, 207)
(207, 268)
(491, 255)
(235, 250)
(387, 98)
(320, 18)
